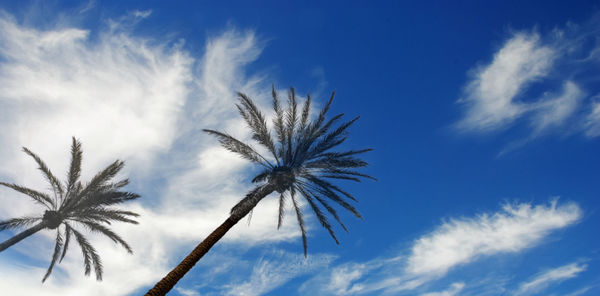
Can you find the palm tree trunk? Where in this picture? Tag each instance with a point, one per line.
(17, 238)
(168, 282)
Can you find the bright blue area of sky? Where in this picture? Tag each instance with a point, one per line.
(401, 66)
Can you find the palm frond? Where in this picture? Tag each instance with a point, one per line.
(305, 114)
(320, 216)
(327, 192)
(75, 168)
(318, 130)
(278, 123)
(54, 183)
(337, 162)
(96, 227)
(343, 172)
(326, 205)
(68, 232)
(323, 112)
(341, 177)
(300, 219)
(90, 256)
(103, 177)
(37, 196)
(105, 215)
(328, 186)
(342, 154)
(18, 222)
(312, 133)
(257, 123)
(234, 145)
(290, 123)
(97, 199)
(332, 139)
(57, 250)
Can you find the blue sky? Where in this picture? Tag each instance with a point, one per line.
(484, 119)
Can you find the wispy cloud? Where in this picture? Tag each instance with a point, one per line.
(592, 121)
(275, 271)
(454, 243)
(489, 96)
(454, 289)
(549, 277)
(519, 84)
(513, 229)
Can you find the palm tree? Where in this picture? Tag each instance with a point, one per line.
(72, 204)
(302, 164)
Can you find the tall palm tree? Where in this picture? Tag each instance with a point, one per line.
(72, 204)
(302, 164)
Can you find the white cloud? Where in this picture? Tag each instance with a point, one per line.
(187, 292)
(119, 95)
(271, 273)
(513, 229)
(518, 84)
(456, 242)
(454, 289)
(592, 122)
(136, 99)
(579, 292)
(549, 277)
(554, 110)
(490, 96)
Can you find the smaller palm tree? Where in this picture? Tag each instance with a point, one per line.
(72, 204)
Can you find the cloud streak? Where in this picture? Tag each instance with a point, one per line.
(549, 277)
(456, 242)
(460, 241)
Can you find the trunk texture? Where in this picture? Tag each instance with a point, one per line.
(17, 238)
(168, 282)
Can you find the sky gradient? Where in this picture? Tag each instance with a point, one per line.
(484, 119)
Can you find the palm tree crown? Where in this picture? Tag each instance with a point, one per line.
(301, 159)
(72, 204)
